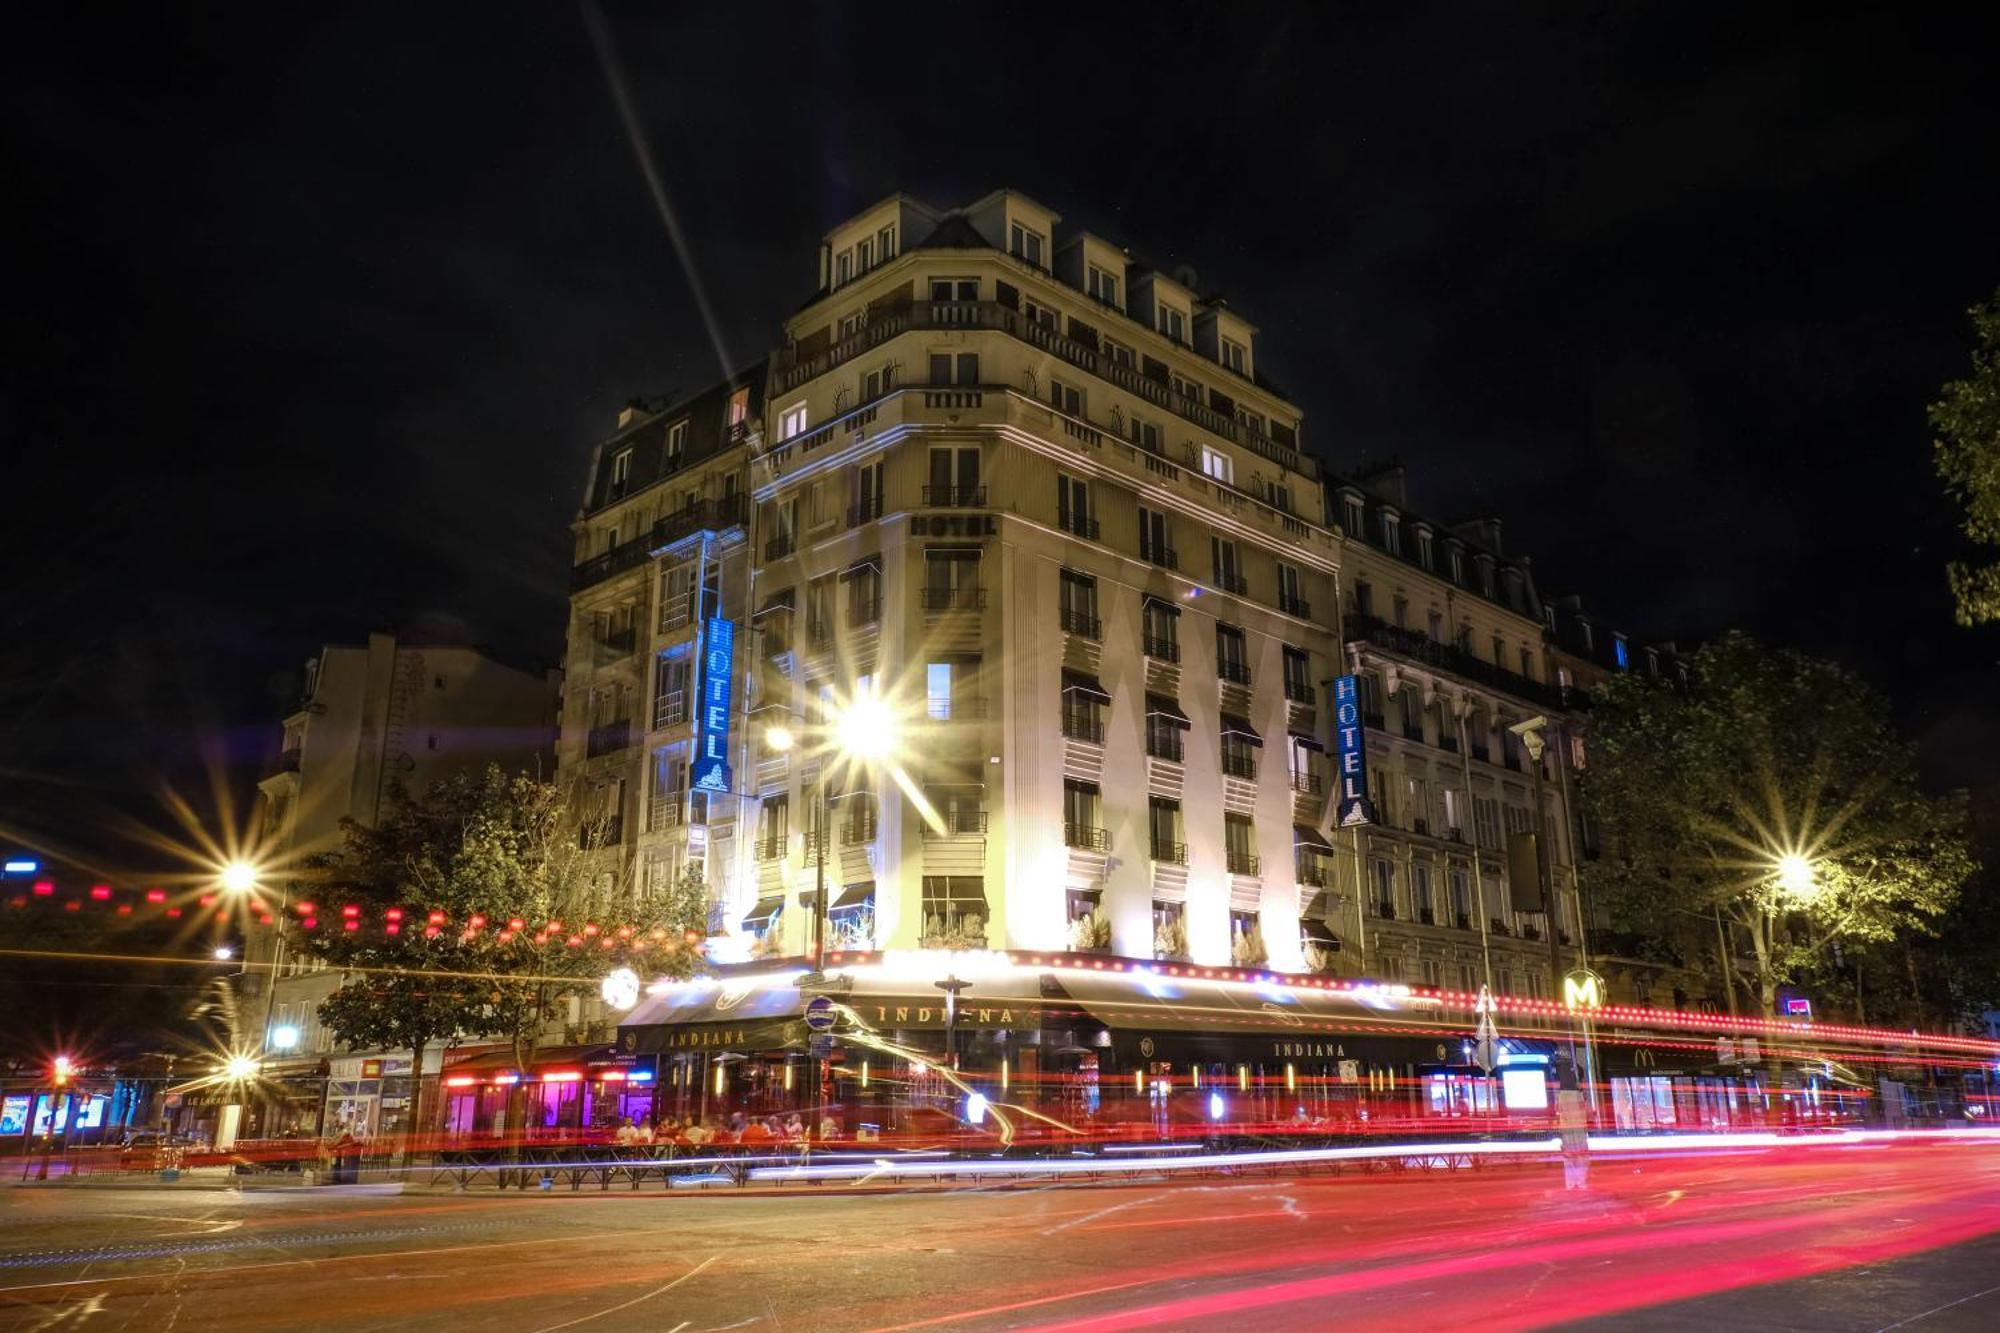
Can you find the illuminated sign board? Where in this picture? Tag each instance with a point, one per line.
(1798, 1006)
(1350, 758)
(1583, 990)
(710, 770)
(14, 1113)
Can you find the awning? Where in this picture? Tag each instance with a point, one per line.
(1300, 738)
(1167, 604)
(503, 1059)
(766, 911)
(1079, 682)
(1316, 922)
(1162, 706)
(715, 1015)
(777, 601)
(854, 895)
(1232, 725)
(865, 563)
(1304, 835)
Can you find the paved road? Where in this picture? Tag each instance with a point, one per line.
(1828, 1239)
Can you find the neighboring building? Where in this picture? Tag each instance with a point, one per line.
(376, 717)
(1037, 496)
(1446, 635)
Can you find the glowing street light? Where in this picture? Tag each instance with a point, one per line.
(1795, 874)
(239, 877)
(223, 953)
(239, 1068)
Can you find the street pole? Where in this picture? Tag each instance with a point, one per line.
(815, 1064)
(1535, 743)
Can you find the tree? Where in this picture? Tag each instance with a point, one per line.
(1705, 791)
(482, 910)
(1967, 452)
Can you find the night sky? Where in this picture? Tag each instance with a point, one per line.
(313, 320)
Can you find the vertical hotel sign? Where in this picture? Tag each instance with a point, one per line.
(710, 770)
(1350, 759)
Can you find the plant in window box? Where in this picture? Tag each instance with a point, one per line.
(1320, 958)
(854, 930)
(1170, 939)
(967, 932)
(1090, 931)
(1247, 948)
(765, 945)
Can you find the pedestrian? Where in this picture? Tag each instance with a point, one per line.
(1572, 1124)
(628, 1134)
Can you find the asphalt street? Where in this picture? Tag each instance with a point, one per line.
(1863, 1238)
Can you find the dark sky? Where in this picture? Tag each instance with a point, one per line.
(313, 320)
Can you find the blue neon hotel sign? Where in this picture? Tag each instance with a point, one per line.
(1350, 755)
(710, 771)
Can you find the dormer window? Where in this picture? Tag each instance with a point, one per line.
(1620, 653)
(1652, 661)
(885, 244)
(1025, 244)
(621, 471)
(1356, 515)
(1235, 356)
(843, 268)
(1173, 323)
(1392, 533)
(1458, 566)
(1102, 285)
(1424, 552)
(1589, 639)
(1486, 576)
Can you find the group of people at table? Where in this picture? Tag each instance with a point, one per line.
(694, 1132)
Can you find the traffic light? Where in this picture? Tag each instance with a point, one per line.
(61, 1070)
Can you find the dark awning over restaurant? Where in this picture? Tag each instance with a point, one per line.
(1079, 682)
(766, 911)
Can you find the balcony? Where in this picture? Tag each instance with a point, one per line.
(601, 833)
(1313, 873)
(1299, 692)
(1295, 606)
(954, 599)
(1241, 861)
(608, 739)
(669, 709)
(771, 848)
(1234, 671)
(861, 828)
(861, 613)
(1420, 647)
(1076, 620)
(288, 762)
(664, 811)
(789, 370)
(1307, 784)
(1238, 765)
(1162, 650)
(1082, 727)
(702, 515)
(955, 497)
(619, 642)
(1228, 580)
(1166, 744)
(1086, 838)
(1078, 525)
(780, 546)
(1170, 853)
(958, 824)
(1163, 556)
(867, 511)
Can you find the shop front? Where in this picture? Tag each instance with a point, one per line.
(372, 1096)
(563, 1093)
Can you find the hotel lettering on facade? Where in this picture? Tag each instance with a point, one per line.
(1038, 497)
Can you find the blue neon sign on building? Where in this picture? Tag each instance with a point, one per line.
(1350, 757)
(710, 770)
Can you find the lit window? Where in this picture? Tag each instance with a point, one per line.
(792, 422)
(1218, 465)
(937, 690)
(1619, 652)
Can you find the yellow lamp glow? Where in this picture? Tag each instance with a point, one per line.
(865, 729)
(239, 877)
(1795, 874)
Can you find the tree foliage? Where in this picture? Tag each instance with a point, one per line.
(485, 850)
(1967, 451)
(1701, 790)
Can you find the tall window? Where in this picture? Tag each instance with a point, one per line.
(1392, 533)
(1424, 553)
(621, 472)
(1228, 565)
(1239, 844)
(1364, 598)
(1023, 243)
(1235, 355)
(1459, 885)
(1173, 323)
(1156, 538)
(1083, 701)
(1082, 820)
(864, 595)
(1078, 596)
(1066, 398)
(676, 595)
(865, 506)
(1239, 748)
(951, 579)
(1166, 727)
(1232, 661)
(1073, 506)
(773, 827)
(885, 244)
(1102, 285)
(1290, 599)
(938, 690)
(961, 368)
(1163, 827)
(1420, 894)
(1218, 465)
(954, 911)
(819, 609)
(1162, 624)
(670, 692)
(1298, 675)
(792, 421)
(954, 477)
(1385, 888)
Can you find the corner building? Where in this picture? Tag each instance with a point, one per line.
(1037, 497)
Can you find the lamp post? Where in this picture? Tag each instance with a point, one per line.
(239, 879)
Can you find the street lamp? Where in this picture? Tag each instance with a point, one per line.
(1796, 874)
(239, 1068)
(239, 879)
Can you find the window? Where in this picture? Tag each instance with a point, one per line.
(954, 477)
(792, 422)
(864, 594)
(1459, 885)
(1218, 465)
(1250, 421)
(1101, 285)
(1499, 651)
(885, 244)
(937, 690)
(1486, 821)
(1145, 434)
(864, 255)
(843, 267)
(1298, 675)
(773, 827)
(1399, 610)
(1486, 577)
(1037, 313)
(1239, 749)
(954, 289)
(850, 325)
(670, 692)
(1298, 764)
(1189, 389)
(1066, 398)
(1420, 894)
(1235, 356)
(1082, 825)
(621, 471)
(1169, 929)
(1078, 597)
(1364, 598)
(1163, 828)
(1232, 660)
(951, 579)
(1083, 701)
(961, 368)
(1155, 538)
(1384, 904)
(1437, 627)
(1527, 664)
(878, 382)
(819, 609)
(1165, 728)
(1356, 515)
(1424, 552)
(1457, 566)
(1162, 627)
(1228, 570)
(1239, 844)
(864, 503)
(1620, 653)
(1289, 599)
(1073, 506)
(1118, 353)
(1025, 244)
(954, 911)
(1173, 323)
